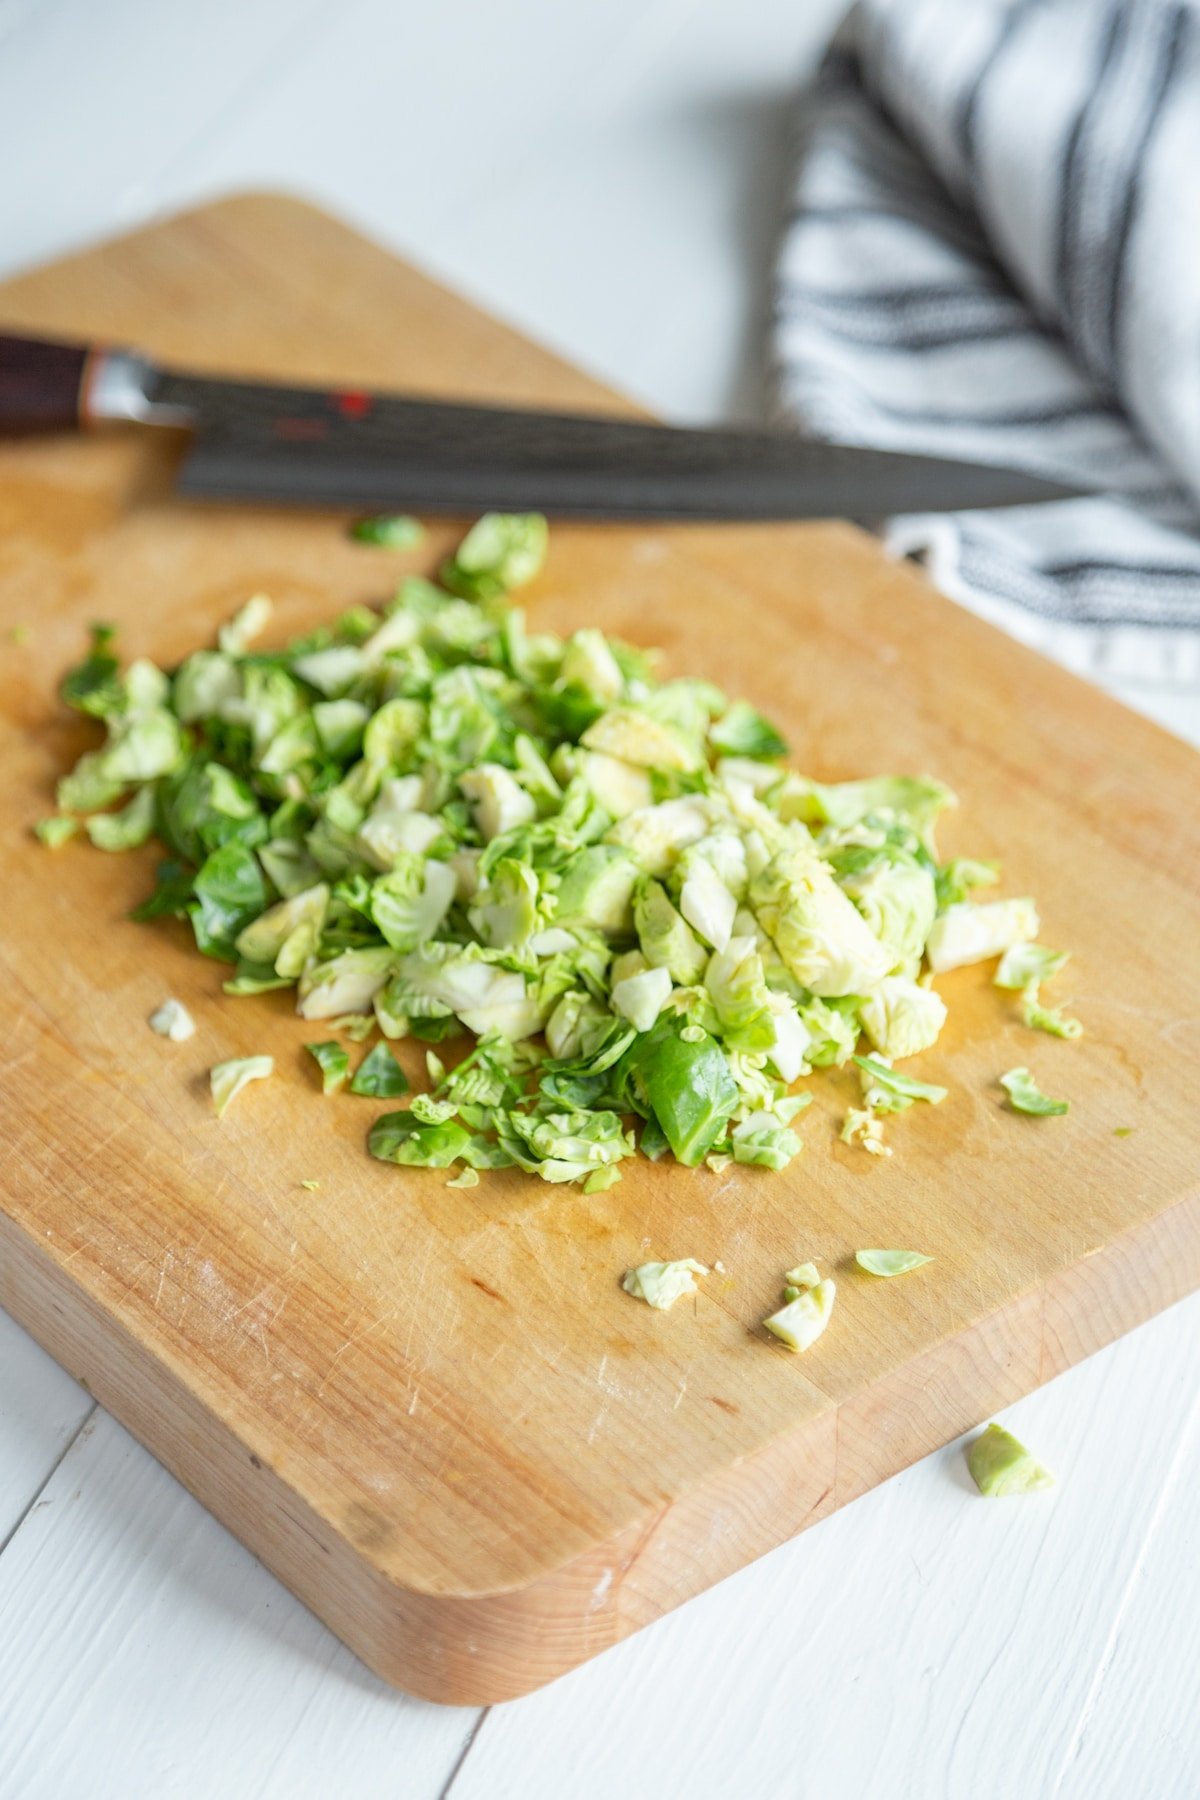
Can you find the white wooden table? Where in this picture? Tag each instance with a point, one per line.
(608, 176)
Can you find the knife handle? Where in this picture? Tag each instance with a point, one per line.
(43, 385)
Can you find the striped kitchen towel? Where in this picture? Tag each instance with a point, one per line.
(993, 251)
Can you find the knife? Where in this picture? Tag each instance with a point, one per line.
(261, 441)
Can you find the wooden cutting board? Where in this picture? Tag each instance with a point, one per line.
(433, 1413)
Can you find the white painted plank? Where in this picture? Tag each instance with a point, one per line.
(96, 101)
(1139, 1730)
(144, 1652)
(922, 1641)
(608, 177)
(40, 1410)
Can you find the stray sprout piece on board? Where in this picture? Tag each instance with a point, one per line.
(1026, 966)
(390, 531)
(227, 1079)
(173, 1020)
(1026, 1096)
(890, 1262)
(661, 1284)
(808, 1305)
(885, 1090)
(431, 820)
(1001, 1465)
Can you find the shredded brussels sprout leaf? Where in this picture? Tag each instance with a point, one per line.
(227, 1079)
(890, 1262)
(1026, 1096)
(1023, 963)
(379, 1075)
(661, 1284)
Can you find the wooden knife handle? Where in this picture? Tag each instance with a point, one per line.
(42, 385)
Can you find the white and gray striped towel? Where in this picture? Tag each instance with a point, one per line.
(993, 252)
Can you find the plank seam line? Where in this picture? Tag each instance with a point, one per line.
(1104, 1661)
(468, 1746)
(51, 1472)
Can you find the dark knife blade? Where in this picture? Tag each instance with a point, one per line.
(343, 447)
(262, 442)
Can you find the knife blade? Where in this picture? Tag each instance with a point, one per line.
(269, 442)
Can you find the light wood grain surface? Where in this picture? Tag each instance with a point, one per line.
(663, 169)
(433, 1413)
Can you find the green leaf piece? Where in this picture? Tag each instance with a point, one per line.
(126, 829)
(1025, 1096)
(890, 1262)
(379, 1076)
(227, 1079)
(1050, 1019)
(55, 832)
(889, 1090)
(333, 1062)
(228, 892)
(389, 531)
(1023, 963)
(742, 731)
(688, 1088)
(398, 1137)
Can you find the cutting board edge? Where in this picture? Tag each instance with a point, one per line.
(25, 288)
(480, 1648)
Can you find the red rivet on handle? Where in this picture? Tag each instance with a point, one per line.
(353, 404)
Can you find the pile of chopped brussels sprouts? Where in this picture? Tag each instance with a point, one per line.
(434, 820)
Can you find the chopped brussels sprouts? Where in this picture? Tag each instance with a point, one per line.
(822, 938)
(641, 997)
(971, 932)
(901, 1017)
(501, 551)
(249, 622)
(430, 819)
